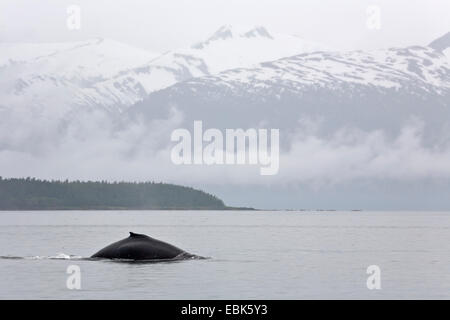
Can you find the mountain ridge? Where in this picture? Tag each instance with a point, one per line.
(225, 49)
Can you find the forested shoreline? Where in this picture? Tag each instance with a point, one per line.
(35, 194)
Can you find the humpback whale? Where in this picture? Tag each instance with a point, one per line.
(142, 247)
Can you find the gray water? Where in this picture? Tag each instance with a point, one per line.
(253, 255)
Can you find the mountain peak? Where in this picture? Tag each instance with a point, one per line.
(258, 31)
(230, 31)
(441, 43)
(224, 32)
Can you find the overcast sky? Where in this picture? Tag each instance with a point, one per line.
(161, 25)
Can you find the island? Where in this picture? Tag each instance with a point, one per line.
(35, 194)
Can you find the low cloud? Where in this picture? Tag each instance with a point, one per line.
(93, 146)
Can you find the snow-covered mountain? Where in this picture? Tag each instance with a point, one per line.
(102, 73)
(228, 48)
(51, 78)
(235, 47)
(84, 60)
(277, 79)
(367, 90)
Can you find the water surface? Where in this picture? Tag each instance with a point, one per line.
(254, 255)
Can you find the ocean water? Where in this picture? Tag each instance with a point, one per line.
(252, 255)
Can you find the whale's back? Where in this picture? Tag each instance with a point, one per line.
(139, 247)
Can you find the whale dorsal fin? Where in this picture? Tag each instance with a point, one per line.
(132, 234)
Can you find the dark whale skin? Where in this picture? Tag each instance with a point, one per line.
(141, 247)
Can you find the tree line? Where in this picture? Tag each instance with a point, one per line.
(35, 194)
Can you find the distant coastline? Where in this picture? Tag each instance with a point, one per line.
(35, 194)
